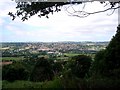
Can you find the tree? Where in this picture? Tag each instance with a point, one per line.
(57, 67)
(98, 64)
(112, 55)
(42, 71)
(28, 9)
(15, 71)
(107, 62)
(80, 65)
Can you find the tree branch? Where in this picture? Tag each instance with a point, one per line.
(83, 14)
(104, 10)
(26, 10)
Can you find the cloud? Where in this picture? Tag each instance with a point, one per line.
(6, 6)
(60, 26)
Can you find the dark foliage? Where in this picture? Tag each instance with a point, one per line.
(28, 9)
(42, 71)
(80, 65)
(107, 62)
(98, 64)
(112, 55)
(57, 67)
(15, 71)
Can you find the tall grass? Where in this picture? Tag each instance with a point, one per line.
(64, 83)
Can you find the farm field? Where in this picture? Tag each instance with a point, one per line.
(71, 54)
(12, 58)
(76, 54)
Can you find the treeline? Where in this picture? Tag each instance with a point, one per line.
(45, 69)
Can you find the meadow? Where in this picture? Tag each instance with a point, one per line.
(12, 58)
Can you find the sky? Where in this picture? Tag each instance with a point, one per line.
(59, 27)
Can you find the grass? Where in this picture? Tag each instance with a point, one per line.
(21, 84)
(83, 84)
(12, 58)
(27, 85)
(71, 54)
(75, 54)
(62, 58)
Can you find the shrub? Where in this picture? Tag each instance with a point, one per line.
(80, 65)
(42, 71)
(15, 71)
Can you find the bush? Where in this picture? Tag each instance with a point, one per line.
(80, 65)
(15, 71)
(42, 71)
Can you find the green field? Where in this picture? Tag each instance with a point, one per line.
(12, 58)
(71, 54)
(75, 54)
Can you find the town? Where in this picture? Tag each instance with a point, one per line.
(20, 51)
(53, 47)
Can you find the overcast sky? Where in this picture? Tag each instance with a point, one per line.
(59, 26)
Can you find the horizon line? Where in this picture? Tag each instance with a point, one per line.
(46, 41)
